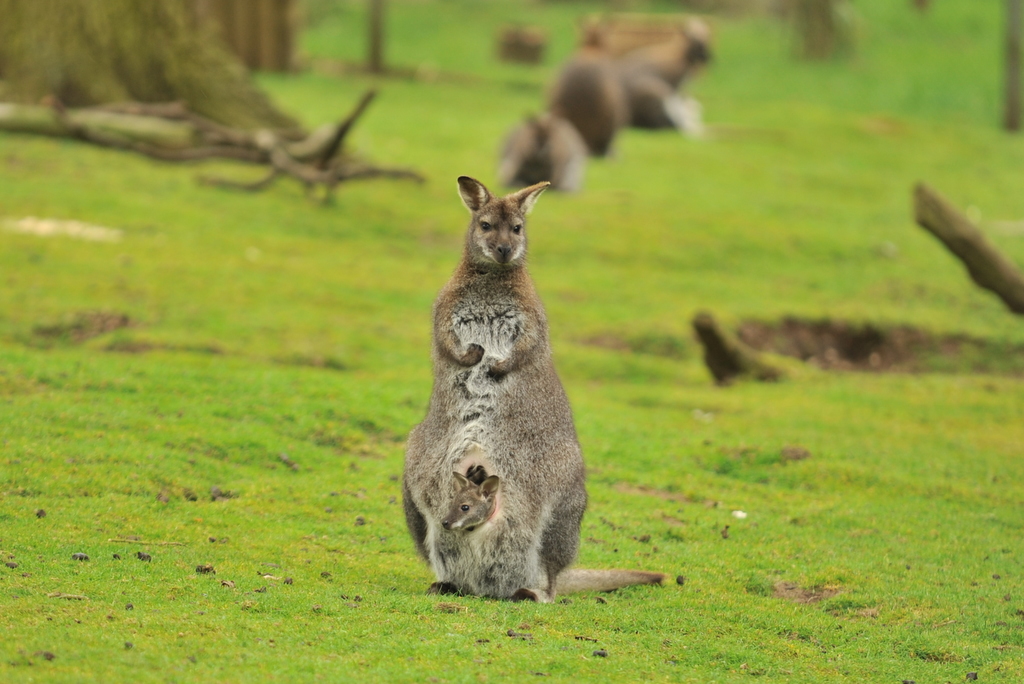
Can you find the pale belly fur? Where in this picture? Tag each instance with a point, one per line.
(495, 328)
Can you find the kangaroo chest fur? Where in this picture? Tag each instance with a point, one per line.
(495, 326)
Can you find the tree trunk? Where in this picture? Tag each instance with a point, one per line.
(1014, 22)
(986, 266)
(89, 52)
(822, 28)
(376, 55)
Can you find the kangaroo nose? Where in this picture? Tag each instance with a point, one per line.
(504, 251)
(444, 524)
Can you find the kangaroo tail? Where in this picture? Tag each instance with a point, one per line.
(578, 579)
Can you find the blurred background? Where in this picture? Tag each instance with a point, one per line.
(222, 227)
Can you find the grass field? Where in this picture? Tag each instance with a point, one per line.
(267, 324)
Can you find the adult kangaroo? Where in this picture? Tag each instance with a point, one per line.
(497, 404)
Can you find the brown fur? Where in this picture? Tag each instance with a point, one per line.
(675, 60)
(589, 94)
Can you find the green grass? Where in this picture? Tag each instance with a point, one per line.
(909, 505)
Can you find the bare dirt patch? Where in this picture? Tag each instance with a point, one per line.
(82, 325)
(797, 594)
(844, 345)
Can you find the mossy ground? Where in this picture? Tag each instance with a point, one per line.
(268, 324)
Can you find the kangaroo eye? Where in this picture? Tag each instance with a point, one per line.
(465, 507)
(517, 229)
(484, 225)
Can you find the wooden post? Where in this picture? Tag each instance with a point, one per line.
(376, 55)
(986, 266)
(1013, 56)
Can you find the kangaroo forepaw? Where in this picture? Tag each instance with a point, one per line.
(474, 353)
(524, 595)
(443, 588)
(476, 474)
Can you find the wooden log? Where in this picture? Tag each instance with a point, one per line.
(986, 265)
(727, 357)
(126, 127)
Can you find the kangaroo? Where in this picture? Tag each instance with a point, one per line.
(678, 59)
(541, 148)
(497, 402)
(474, 504)
(653, 103)
(589, 94)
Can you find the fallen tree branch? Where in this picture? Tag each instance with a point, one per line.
(170, 132)
(70, 597)
(148, 543)
(985, 264)
(728, 358)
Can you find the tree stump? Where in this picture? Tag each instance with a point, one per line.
(727, 357)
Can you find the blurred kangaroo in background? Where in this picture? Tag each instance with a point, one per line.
(588, 93)
(498, 408)
(652, 75)
(544, 147)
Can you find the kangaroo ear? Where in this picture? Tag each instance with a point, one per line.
(460, 481)
(489, 486)
(474, 194)
(527, 197)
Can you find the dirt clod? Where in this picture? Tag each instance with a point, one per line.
(162, 497)
(11, 564)
(601, 653)
(681, 579)
(46, 655)
(601, 599)
(227, 583)
(996, 577)
(218, 494)
(144, 557)
(519, 635)
(40, 513)
(725, 532)
(128, 645)
(360, 520)
(116, 556)
(206, 569)
(289, 580)
(972, 676)
(79, 557)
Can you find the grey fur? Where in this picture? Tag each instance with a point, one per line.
(495, 385)
(498, 408)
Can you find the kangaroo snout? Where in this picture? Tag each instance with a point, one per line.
(503, 253)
